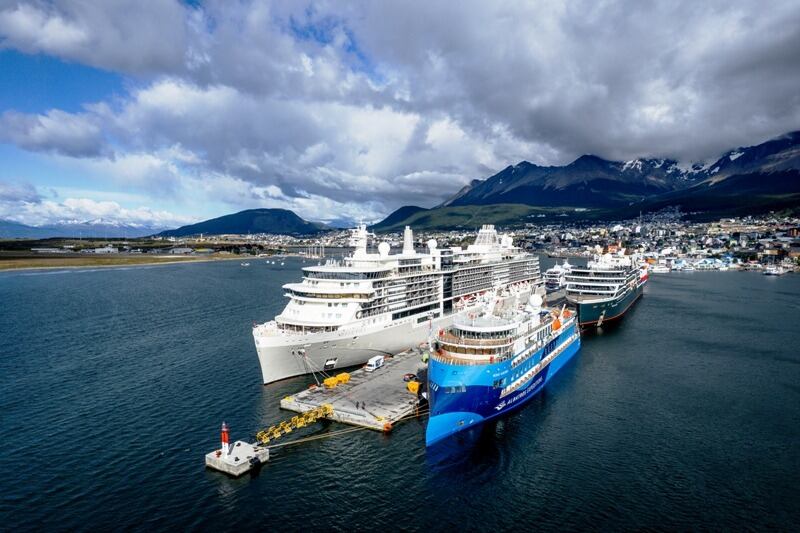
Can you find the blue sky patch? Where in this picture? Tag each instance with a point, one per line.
(37, 83)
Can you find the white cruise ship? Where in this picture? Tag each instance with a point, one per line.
(343, 313)
(555, 277)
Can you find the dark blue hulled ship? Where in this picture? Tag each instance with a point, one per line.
(489, 363)
(606, 288)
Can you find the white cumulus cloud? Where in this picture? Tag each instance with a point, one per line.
(338, 109)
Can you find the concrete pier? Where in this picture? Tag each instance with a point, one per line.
(374, 400)
(242, 458)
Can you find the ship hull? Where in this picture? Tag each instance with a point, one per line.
(598, 313)
(282, 357)
(480, 401)
(281, 360)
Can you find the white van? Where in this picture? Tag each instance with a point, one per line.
(374, 363)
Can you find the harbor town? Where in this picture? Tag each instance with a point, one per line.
(666, 239)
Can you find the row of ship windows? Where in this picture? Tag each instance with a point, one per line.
(347, 275)
(382, 306)
(341, 284)
(596, 274)
(323, 296)
(296, 312)
(500, 353)
(472, 281)
(307, 329)
(414, 279)
(330, 304)
(409, 312)
(481, 335)
(605, 288)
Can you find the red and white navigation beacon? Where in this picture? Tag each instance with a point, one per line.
(225, 450)
(236, 458)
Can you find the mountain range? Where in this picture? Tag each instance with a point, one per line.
(98, 228)
(591, 181)
(746, 180)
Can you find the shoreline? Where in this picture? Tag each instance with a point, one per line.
(9, 265)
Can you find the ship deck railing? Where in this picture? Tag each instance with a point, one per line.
(530, 374)
(449, 338)
(462, 361)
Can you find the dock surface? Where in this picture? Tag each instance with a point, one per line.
(369, 399)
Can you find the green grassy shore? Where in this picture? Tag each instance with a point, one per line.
(15, 261)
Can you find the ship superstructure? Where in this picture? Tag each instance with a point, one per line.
(555, 277)
(486, 364)
(370, 303)
(605, 289)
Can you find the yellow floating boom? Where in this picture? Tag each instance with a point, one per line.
(296, 422)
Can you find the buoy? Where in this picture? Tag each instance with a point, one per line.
(387, 427)
(225, 448)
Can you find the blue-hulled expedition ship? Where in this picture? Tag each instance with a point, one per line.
(486, 364)
(606, 288)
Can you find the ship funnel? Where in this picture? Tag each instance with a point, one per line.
(408, 241)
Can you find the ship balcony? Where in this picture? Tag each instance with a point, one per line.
(600, 289)
(593, 286)
(293, 322)
(322, 291)
(266, 329)
(467, 342)
(271, 333)
(590, 297)
(443, 356)
(595, 279)
(597, 272)
(327, 297)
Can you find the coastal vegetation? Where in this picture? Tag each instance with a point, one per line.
(17, 261)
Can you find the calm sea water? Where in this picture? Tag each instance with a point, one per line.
(113, 384)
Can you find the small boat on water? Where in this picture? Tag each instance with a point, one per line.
(245, 264)
(774, 270)
(659, 269)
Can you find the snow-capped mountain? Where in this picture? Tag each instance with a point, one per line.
(591, 181)
(97, 228)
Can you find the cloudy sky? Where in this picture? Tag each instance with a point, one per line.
(166, 112)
